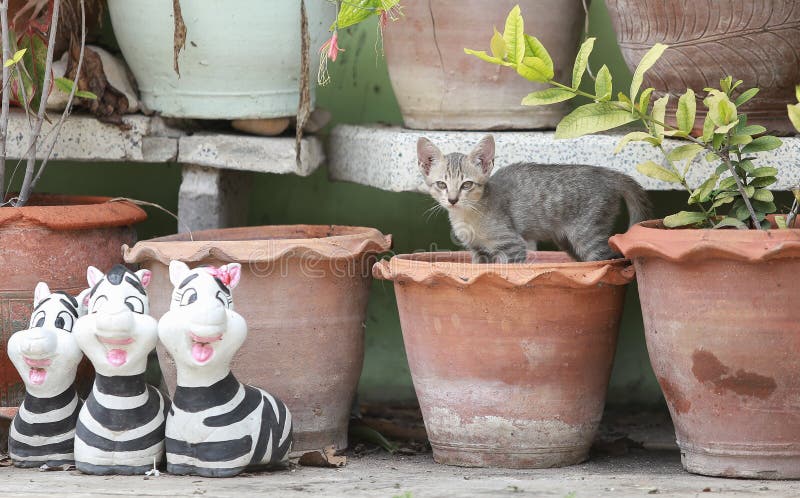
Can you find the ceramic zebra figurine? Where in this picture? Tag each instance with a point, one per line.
(217, 427)
(47, 357)
(121, 426)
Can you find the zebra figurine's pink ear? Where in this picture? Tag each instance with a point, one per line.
(93, 275)
(145, 276)
(234, 271)
(40, 293)
(177, 272)
(83, 301)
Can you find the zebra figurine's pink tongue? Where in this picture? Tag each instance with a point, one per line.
(117, 357)
(201, 352)
(37, 376)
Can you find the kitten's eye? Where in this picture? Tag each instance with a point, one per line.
(467, 185)
(38, 319)
(188, 297)
(98, 303)
(441, 185)
(222, 298)
(134, 304)
(64, 321)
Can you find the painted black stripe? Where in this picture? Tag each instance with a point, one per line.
(197, 399)
(44, 405)
(117, 470)
(108, 445)
(136, 284)
(125, 419)
(72, 300)
(69, 307)
(47, 429)
(182, 469)
(188, 279)
(114, 276)
(268, 421)
(252, 397)
(120, 385)
(211, 451)
(41, 303)
(281, 448)
(25, 450)
(222, 286)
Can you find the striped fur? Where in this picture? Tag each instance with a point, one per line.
(120, 428)
(46, 355)
(217, 427)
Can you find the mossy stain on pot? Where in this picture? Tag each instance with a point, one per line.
(707, 368)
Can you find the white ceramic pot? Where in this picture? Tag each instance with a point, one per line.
(241, 58)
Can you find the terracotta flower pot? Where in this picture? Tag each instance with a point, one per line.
(54, 239)
(757, 41)
(438, 86)
(510, 362)
(303, 293)
(721, 322)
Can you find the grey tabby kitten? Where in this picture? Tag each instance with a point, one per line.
(496, 217)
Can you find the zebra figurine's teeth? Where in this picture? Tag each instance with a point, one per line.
(218, 427)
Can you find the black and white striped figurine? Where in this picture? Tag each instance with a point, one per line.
(217, 427)
(46, 356)
(121, 426)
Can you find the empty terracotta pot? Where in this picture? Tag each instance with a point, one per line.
(439, 87)
(722, 328)
(510, 362)
(757, 41)
(53, 240)
(303, 293)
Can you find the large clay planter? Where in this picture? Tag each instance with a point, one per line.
(510, 362)
(54, 240)
(757, 41)
(723, 333)
(241, 58)
(438, 86)
(303, 293)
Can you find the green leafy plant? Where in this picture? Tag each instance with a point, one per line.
(735, 194)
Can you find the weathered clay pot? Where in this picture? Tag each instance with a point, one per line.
(303, 293)
(53, 240)
(510, 362)
(438, 86)
(721, 322)
(757, 41)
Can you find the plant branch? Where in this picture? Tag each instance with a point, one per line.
(5, 96)
(68, 108)
(25, 191)
(727, 160)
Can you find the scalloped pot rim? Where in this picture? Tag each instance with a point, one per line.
(652, 239)
(543, 268)
(262, 244)
(72, 212)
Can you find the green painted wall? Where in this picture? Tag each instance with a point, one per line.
(361, 92)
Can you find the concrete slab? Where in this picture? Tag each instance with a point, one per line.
(638, 473)
(385, 156)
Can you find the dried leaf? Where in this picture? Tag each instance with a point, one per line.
(325, 457)
(179, 35)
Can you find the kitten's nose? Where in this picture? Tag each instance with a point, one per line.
(452, 201)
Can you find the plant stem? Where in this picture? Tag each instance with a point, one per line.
(5, 97)
(727, 160)
(25, 191)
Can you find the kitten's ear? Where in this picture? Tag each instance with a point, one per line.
(426, 154)
(483, 154)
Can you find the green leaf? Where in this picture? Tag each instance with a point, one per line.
(745, 96)
(534, 48)
(708, 129)
(535, 69)
(727, 183)
(18, 55)
(751, 130)
(794, 115)
(739, 210)
(747, 165)
(730, 222)
(683, 218)
(797, 92)
(514, 35)
(726, 128)
(482, 55)
(764, 171)
(64, 84)
(603, 85)
(659, 113)
(725, 83)
(780, 221)
(763, 195)
(635, 136)
(549, 96)
(764, 207)
(646, 63)
(644, 100)
(764, 181)
(675, 133)
(653, 170)
(687, 107)
(498, 45)
(720, 108)
(351, 13)
(85, 94)
(581, 61)
(740, 140)
(749, 191)
(623, 99)
(592, 118)
(721, 201)
(761, 144)
(703, 192)
(684, 152)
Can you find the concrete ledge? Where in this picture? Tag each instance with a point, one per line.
(385, 157)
